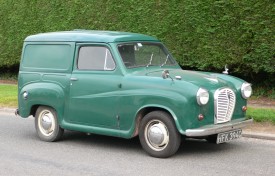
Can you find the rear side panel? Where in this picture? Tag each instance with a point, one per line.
(44, 75)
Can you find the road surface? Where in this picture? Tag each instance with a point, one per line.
(22, 153)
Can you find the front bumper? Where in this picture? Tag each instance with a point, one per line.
(219, 128)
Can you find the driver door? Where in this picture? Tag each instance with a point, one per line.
(94, 87)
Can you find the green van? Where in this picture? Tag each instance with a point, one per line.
(125, 85)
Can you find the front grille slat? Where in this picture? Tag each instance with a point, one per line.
(225, 100)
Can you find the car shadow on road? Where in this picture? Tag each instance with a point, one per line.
(100, 141)
(201, 146)
(188, 146)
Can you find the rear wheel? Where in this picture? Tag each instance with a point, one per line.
(46, 124)
(158, 134)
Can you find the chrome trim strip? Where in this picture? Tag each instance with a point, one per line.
(219, 128)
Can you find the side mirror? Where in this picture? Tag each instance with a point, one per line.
(165, 74)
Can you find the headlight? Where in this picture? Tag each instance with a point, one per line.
(202, 96)
(246, 90)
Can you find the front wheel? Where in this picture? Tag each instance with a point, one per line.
(46, 124)
(158, 134)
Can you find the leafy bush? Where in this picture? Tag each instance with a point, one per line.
(203, 34)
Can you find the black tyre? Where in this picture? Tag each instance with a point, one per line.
(46, 124)
(158, 134)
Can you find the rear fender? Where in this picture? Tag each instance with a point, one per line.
(47, 94)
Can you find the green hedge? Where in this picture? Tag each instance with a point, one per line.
(203, 34)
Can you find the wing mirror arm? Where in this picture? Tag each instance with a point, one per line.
(165, 74)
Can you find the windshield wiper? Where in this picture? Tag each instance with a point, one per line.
(165, 61)
(150, 63)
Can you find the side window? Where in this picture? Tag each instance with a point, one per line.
(47, 56)
(95, 58)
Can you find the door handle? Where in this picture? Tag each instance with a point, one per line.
(73, 79)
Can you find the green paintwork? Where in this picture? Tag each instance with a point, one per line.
(112, 102)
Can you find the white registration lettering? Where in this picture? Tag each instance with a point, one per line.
(228, 136)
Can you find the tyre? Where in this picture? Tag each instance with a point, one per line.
(158, 134)
(46, 124)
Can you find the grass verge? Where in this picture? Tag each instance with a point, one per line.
(262, 114)
(8, 95)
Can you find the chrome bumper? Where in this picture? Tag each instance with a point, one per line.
(219, 128)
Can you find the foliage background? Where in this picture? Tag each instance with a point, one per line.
(202, 34)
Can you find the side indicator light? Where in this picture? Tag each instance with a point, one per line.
(244, 108)
(200, 117)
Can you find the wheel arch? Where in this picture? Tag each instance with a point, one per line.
(36, 106)
(150, 108)
(34, 109)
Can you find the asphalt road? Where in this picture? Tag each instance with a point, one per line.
(22, 153)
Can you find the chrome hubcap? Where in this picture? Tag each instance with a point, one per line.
(46, 122)
(156, 135)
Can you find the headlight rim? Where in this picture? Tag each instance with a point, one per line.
(244, 85)
(199, 93)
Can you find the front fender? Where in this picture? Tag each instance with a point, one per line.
(133, 102)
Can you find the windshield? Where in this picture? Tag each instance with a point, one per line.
(146, 54)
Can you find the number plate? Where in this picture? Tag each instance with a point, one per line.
(228, 136)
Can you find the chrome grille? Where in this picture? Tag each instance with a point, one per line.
(225, 100)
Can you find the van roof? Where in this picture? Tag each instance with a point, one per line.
(89, 36)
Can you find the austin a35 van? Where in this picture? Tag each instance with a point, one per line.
(125, 85)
